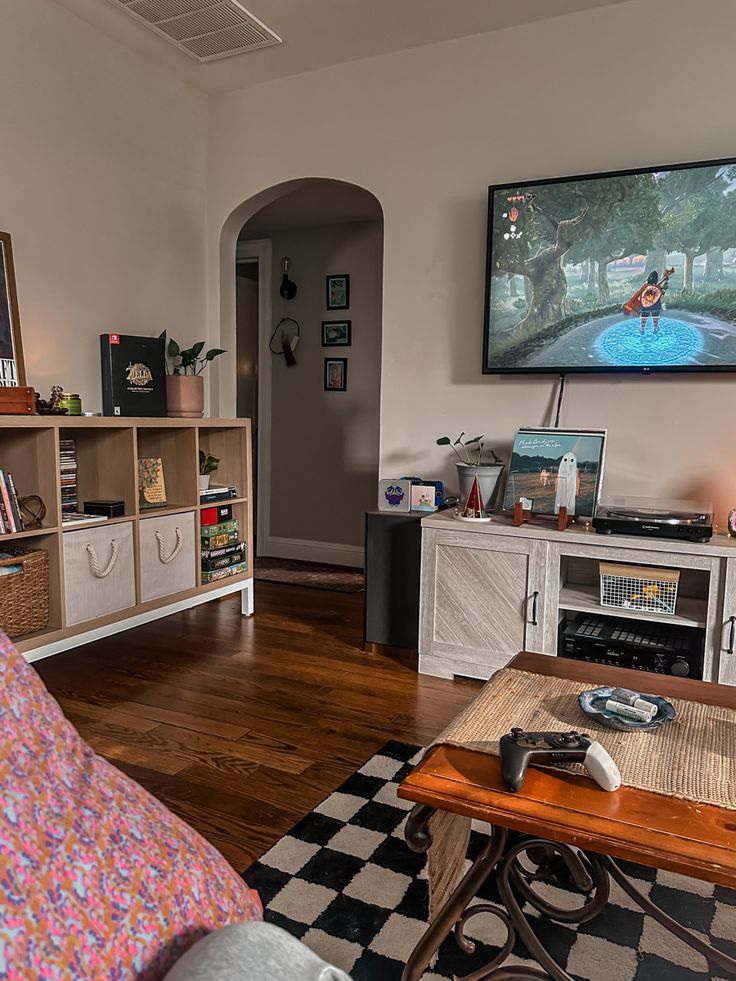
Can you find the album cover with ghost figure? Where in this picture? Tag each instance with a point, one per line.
(556, 468)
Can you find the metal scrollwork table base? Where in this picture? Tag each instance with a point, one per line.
(545, 861)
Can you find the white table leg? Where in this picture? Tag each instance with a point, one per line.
(246, 599)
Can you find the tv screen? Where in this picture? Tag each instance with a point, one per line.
(627, 271)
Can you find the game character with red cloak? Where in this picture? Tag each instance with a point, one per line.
(647, 300)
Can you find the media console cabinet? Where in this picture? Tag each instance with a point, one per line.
(156, 570)
(492, 590)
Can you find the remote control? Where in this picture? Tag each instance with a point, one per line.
(520, 748)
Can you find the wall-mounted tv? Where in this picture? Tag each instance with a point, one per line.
(627, 271)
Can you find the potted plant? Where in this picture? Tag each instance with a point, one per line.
(184, 382)
(470, 465)
(207, 465)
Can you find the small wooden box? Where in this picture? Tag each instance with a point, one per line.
(16, 401)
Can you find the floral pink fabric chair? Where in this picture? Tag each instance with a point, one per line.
(98, 880)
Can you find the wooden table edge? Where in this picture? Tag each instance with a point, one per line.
(707, 692)
(606, 836)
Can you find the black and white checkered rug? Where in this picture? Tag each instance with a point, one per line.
(345, 883)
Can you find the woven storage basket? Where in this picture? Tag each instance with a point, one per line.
(24, 595)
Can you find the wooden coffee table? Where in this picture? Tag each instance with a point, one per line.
(563, 818)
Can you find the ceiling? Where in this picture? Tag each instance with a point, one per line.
(319, 33)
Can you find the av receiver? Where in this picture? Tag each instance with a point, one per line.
(636, 644)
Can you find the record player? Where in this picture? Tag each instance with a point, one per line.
(690, 521)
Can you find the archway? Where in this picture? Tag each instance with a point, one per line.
(317, 448)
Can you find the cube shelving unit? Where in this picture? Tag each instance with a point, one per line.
(108, 450)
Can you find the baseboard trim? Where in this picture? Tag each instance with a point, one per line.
(331, 553)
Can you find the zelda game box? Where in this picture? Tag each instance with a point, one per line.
(133, 375)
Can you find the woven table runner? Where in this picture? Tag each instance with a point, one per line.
(693, 757)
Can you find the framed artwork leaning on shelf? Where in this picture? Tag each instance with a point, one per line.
(151, 483)
(552, 468)
(12, 368)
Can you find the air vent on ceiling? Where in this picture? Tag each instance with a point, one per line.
(205, 29)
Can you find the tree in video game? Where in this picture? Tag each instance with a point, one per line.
(699, 218)
(623, 220)
(595, 221)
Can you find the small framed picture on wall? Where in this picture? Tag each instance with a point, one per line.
(338, 293)
(336, 333)
(336, 374)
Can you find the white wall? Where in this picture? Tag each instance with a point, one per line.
(102, 187)
(426, 131)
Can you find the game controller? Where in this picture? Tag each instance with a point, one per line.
(520, 748)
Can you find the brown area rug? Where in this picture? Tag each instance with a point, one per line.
(338, 578)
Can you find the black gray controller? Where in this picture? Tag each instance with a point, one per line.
(520, 748)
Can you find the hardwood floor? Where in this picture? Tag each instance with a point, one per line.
(241, 726)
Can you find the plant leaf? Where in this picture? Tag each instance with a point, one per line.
(196, 348)
(162, 335)
(173, 349)
(444, 441)
(459, 439)
(475, 439)
(213, 353)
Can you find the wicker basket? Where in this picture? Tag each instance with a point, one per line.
(24, 595)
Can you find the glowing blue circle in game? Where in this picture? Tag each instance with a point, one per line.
(675, 343)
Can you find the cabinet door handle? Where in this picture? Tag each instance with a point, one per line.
(731, 634)
(535, 605)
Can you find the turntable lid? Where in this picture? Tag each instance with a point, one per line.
(654, 508)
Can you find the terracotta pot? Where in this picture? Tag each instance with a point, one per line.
(185, 396)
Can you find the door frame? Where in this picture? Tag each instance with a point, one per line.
(260, 251)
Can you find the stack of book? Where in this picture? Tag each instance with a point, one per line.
(215, 493)
(68, 476)
(223, 551)
(82, 519)
(11, 520)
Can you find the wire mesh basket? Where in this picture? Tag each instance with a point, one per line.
(639, 587)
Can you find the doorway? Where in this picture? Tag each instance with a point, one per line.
(247, 275)
(316, 447)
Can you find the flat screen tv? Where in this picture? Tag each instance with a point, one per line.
(627, 271)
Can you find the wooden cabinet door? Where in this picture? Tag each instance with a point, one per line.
(727, 653)
(483, 601)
